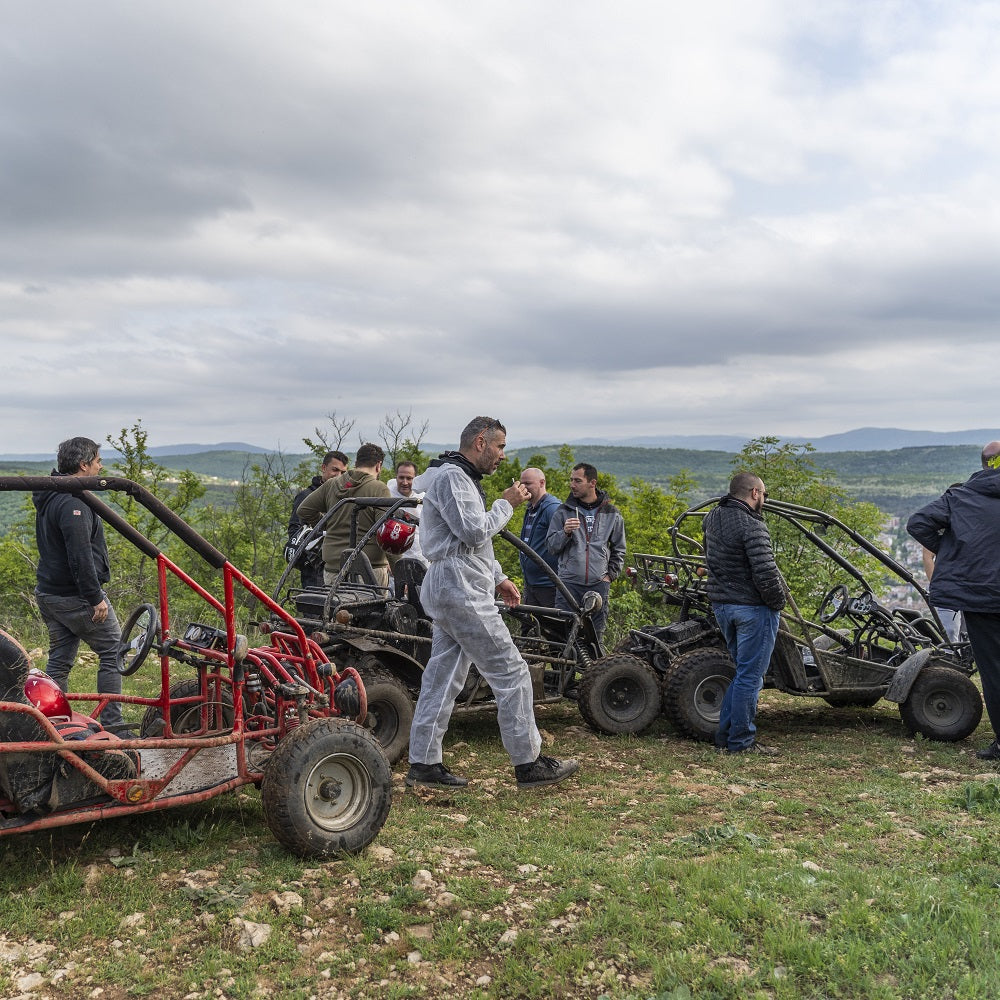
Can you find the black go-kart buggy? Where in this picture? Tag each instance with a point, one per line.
(385, 635)
(279, 715)
(853, 651)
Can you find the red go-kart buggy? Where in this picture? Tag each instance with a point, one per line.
(226, 715)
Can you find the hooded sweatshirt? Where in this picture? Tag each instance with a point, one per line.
(596, 549)
(962, 528)
(72, 552)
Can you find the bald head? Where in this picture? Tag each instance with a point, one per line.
(990, 452)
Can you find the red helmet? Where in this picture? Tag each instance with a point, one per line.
(396, 534)
(43, 692)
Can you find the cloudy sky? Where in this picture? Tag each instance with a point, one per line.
(232, 219)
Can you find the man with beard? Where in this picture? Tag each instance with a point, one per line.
(457, 530)
(587, 535)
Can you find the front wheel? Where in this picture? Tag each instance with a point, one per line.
(943, 704)
(619, 694)
(327, 789)
(693, 692)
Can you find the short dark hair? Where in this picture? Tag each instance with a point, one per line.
(589, 471)
(338, 455)
(369, 455)
(476, 426)
(742, 483)
(406, 461)
(74, 453)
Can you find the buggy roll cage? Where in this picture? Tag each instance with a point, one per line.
(812, 524)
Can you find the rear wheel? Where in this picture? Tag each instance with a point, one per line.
(943, 704)
(327, 789)
(693, 692)
(619, 694)
(390, 708)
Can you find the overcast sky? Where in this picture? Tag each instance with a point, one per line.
(231, 219)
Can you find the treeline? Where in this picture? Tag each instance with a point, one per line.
(247, 519)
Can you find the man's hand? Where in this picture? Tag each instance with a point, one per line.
(509, 593)
(571, 524)
(101, 611)
(516, 494)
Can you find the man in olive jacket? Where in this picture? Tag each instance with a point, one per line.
(747, 596)
(361, 481)
(962, 529)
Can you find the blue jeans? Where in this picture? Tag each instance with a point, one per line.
(749, 631)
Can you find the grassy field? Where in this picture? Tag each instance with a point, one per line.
(859, 863)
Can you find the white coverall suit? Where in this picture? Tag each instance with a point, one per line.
(456, 535)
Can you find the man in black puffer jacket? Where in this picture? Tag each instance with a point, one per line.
(747, 596)
(962, 529)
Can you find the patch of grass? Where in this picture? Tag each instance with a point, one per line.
(860, 862)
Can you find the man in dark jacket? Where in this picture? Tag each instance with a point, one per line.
(587, 534)
(539, 589)
(311, 563)
(73, 567)
(962, 529)
(747, 596)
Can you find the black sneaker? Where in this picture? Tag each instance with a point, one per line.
(434, 776)
(760, 748)
(992, 752)
(544, 771)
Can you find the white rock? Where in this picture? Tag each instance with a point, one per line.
(285, 902)
(509, 936)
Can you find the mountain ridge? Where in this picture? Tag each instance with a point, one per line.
(859, 439)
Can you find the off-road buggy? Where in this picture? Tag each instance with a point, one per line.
(386, 636)
(278, 715)
(853, 651)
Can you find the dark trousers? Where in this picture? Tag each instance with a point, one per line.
(984, 636)
(70, 620)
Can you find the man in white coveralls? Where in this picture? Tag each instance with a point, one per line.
(456, 533)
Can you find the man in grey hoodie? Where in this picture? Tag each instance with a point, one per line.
(458, 592)
(587, 534)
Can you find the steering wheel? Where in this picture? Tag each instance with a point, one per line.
(833, 604)
(145, 623)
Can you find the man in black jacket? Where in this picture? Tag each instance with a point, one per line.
(73, 567)
(747, 596)
(962, 529)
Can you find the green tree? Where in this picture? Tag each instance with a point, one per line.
(133, 574)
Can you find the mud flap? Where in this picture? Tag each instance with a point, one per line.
(906, 673)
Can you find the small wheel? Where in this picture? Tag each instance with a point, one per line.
(943, 704)
(833, 605)
(619, 694)
(145, 623)
(186, 720)
(390, 708)
(694, 689)
(327, 789)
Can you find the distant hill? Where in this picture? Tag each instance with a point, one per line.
(860, 439)
(897, 480)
